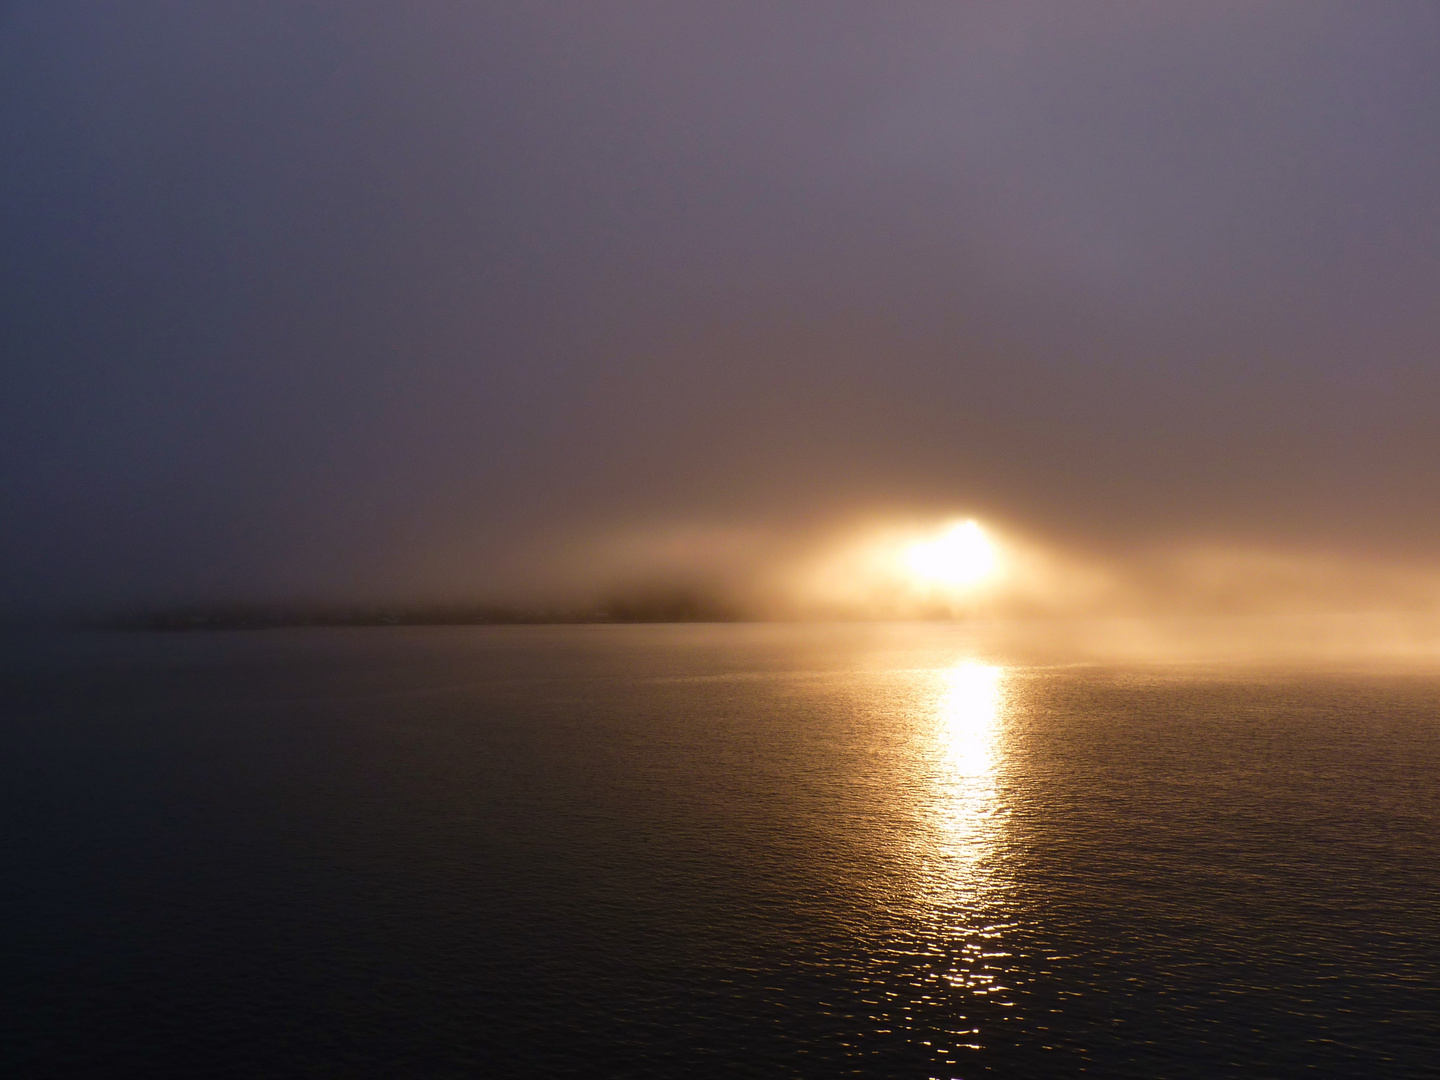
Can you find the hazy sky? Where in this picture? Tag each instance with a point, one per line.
(358, 299)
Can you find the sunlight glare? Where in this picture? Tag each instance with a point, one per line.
(960, 556)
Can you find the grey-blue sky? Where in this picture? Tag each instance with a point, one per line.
(365, 299)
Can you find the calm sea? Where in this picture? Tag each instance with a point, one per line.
(728, 851)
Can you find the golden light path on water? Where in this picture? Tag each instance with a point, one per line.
(961, 880)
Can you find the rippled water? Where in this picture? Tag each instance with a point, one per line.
(727, 851)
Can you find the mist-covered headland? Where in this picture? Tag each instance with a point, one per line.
(1013, 594)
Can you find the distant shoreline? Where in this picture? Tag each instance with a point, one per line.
(676, 609)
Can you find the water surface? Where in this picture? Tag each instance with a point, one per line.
(709, 850)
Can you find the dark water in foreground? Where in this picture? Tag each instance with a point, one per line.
(723, 851)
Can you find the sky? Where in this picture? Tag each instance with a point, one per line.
(449, 301)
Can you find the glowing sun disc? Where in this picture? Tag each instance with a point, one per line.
(960, 556)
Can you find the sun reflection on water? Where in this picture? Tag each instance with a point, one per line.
(968, 715)
(962, 881)
(965, 732)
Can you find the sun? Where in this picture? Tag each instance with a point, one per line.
(960, 556)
